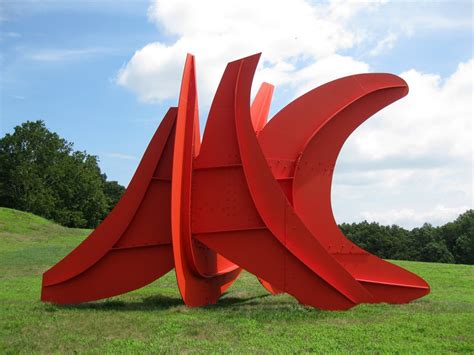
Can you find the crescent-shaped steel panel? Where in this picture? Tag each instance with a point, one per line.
(196, 289)
(115, 244)
(312, 189)
(274, 207)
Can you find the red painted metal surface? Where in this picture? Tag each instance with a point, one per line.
(251, 196)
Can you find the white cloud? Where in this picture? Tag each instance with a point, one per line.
(17, 97)
(435, 119)
(8, 35)
(11, 11)
(411, 164)
(121, 156)
(53, 55)
(153, 72)
(12, 34)
(291, 35)
(384, 44)
(326, 69)
(438, 214)
(413, 161)
(410, 18)
(410, 23)
(343, 9)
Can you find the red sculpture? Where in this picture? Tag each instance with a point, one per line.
(253, 195)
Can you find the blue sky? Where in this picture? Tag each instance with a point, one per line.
(102, 73)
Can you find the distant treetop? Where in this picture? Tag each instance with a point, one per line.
(41, 173)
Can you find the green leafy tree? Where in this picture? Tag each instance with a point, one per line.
(436, 252)
(464, 249)
(113, 190)
(452, 242)
(419, 239)
(41, 173)
(459, 237)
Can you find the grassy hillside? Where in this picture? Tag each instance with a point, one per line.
(247, 319)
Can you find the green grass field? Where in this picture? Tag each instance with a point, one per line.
(247, 319)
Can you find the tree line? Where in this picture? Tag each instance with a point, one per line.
(449, 243)
(41, 173)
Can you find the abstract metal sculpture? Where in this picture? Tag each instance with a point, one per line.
(253, 195)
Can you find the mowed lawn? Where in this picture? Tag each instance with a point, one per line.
(247, 319)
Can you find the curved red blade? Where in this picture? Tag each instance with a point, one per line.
(261, 107)
(277, 250)
(259, 112)
(132, 246)
(326, 117)
(312, 187)
(202, 274)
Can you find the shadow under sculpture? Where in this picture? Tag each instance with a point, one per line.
(251, 196)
